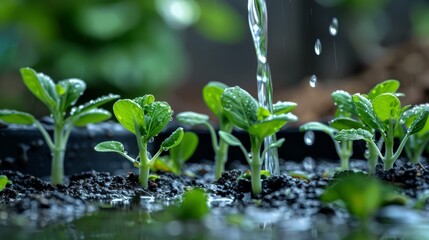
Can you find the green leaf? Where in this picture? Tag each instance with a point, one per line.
(283, 107)
(183, 151)
(344, 103)
(386, 107)
(388, 86)
(3, 182)
(41, 86)
(110, 146)
(193, 207)
(362, 195)
(317, 126)
(173, 140)
(71, 90)
(158, 115)
(13, 116)
(91, 116)
(192, 118)
(419, 123)
(230, 139)
(240, 107)
(93, 104)
(353, 134)
(366, 112)
(263, 113)
(128, 112)
(270, 125)
(277, 143)
(145, 100)
(345, 123)
(212, 93)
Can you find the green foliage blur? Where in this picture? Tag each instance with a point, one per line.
(129, 47)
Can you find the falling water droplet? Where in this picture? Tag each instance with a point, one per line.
(318, 47)
(313, 81)
(309, 138)
(333, 27)
(308, 163)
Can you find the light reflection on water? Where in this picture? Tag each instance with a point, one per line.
(150, 219)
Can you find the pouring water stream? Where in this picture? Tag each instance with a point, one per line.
(257, 11)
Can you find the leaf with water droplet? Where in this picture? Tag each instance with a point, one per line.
(41, 86)
(230, 139)
(18, 117)
(212, 93)
(283, 107)
(386, 107)
(70, 91)
(387, 86)
(192, 118)
(173, 140)
(110, 146)
(354, 134)
(91, 116)
(129, 114)
(94, 103)
(160, 115)
(240, 107)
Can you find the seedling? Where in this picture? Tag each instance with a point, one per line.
(417, 142)
(58, 98)
(145, 118)
(212, 97)
(178, 155)
(344, 119)
(382, 113)
(362, 195)
(245, 113)
(3, 182)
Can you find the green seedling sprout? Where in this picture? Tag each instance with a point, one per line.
(362, 195)
(58, 98)
(3, 182)
(417, 143)
(382, 113)
(178, 155)
(345, 118)
(245, 113)
(145, 118)
(212, 97)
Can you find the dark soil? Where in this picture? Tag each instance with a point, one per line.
(42, 204)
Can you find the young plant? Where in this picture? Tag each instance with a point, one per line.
(145, 118)
(245, 113)
(212, 97)
(178, 155)
(360, 194)
(382, 113)
(345, 118)
(58, 98)
(3, 182)
(417, 143)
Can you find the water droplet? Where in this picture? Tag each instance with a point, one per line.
(150, 140)
(333, 27)
(149, 156)
(309, 138)
(318, 47)
(313, 81)
(250, 155)
(308, 163)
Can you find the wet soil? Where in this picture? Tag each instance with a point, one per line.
(36, 202)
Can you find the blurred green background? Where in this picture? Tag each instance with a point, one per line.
(172, 48)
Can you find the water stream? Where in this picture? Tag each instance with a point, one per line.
(257, 11)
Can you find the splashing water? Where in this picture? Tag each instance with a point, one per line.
(257, 11)
(313, 81)
(309, 138)
(333, 27)
(318, 47)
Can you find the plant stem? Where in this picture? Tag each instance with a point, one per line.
(220, 158)
(144, 175)
(418, 153)
(372, 157)
(256, 164)
(345, 153)
(57, 165)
